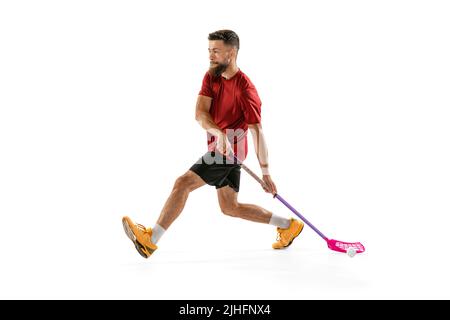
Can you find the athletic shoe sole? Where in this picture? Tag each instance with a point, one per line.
(139, 247)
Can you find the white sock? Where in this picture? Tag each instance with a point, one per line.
(279, 222)
(157, 233)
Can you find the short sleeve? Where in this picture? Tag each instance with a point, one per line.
(206, 89)
(251, 105)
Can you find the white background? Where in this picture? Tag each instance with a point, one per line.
(97, 121)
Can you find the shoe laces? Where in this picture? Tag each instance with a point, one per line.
(140, 226)
(278, 234)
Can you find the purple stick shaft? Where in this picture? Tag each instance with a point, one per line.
(250, 172)
(301, 216)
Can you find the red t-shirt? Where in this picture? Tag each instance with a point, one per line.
(235, 104)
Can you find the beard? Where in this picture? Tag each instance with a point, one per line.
(216, 70)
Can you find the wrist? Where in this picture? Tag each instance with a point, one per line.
(221, 136)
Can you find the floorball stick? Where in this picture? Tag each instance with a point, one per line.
(336, 245)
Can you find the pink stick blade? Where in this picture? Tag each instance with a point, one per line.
(342, 246)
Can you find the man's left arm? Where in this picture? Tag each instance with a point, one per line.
(259, 142)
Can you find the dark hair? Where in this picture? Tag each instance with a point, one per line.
(229, 37)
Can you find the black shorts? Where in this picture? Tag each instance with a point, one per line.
(215, 170)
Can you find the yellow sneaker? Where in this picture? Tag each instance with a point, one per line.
(286, 236)
(141, 237)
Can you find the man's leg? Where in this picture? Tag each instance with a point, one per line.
(145, 239)
(177, 199)
(287, 229)
(230, 206)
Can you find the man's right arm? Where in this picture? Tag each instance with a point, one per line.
(205, 120)
(203, 116)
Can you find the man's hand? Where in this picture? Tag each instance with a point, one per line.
(223, 145)
(269, 186)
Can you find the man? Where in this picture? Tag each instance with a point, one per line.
(227, 106)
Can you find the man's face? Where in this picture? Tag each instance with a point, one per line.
(220, 57)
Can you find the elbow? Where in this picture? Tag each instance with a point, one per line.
(199, 117)
(255, 128)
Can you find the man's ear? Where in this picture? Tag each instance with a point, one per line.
(234, 52)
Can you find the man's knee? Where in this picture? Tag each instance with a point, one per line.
(185, 182)
(230, 209)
